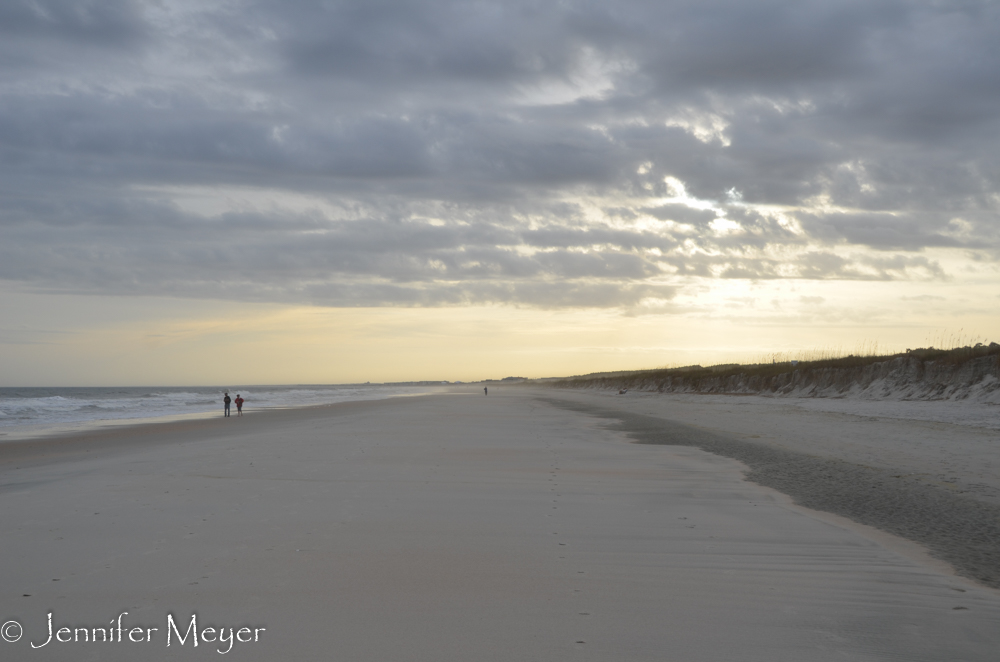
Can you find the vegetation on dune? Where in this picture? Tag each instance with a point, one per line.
(953, 356)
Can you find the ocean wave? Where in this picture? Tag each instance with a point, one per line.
(21, 406)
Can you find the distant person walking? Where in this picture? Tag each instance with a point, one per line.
(239, 405)
(225, 401)
(486, 390)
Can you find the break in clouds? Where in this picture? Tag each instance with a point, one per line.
(539, 153)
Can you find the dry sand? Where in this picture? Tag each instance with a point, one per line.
(888, 475)
(450, 527)
(952, 445)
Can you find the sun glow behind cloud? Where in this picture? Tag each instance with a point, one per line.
(125, 340)
(644, 184)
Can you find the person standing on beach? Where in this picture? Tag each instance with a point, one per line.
(239, 405)
(486, 390)
(226, 401)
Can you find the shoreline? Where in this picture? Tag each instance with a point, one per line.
(130, 434)
(35, 431)
(58, 412)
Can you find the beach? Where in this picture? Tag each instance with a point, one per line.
(529, 524)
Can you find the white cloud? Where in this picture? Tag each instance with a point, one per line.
(706, 127)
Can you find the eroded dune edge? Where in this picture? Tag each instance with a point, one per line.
(967, 374)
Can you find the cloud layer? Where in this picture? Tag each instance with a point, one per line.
(440, 153)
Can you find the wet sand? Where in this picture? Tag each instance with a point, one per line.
(450, 527)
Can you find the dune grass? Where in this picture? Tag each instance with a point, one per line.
(779, 363)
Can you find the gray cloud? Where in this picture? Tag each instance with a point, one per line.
(102, 24)
(510, 152)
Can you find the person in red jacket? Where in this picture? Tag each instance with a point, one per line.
(239, 405)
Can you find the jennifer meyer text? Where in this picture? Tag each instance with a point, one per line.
(173, 632)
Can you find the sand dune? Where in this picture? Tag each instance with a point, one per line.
(450, 527)
(900, 378)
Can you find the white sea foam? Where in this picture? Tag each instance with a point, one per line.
(55, 406)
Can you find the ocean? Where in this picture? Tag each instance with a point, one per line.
(42, 406)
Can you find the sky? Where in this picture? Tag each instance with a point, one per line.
(328, 192)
